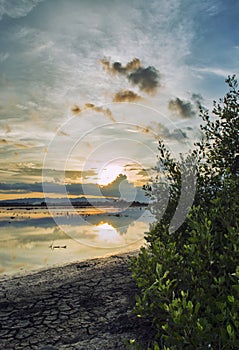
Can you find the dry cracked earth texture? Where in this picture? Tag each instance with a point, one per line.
(86, 305)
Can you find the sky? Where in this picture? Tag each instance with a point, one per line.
(88, 87)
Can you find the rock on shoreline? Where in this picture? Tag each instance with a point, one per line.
(85, 305)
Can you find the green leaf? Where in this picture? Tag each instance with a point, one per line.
(158, 269)
(190, 305)
(197, 307)
(231, 298)
(156, 346)
(229, 330)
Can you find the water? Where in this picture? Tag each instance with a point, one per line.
(31, 238)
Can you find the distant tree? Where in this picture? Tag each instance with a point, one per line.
(189, 277)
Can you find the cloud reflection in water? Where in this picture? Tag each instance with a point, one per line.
(25, 243)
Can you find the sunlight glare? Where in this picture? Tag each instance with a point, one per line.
(109, 173)
(108, 234)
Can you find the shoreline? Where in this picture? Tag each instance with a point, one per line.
(25, 273)
(45, 272)
(80, 305)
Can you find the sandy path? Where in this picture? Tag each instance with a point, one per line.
(85, 305)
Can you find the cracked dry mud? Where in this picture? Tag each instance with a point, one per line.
(85, 305)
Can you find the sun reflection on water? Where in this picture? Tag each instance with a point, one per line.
(107, 234)
(30, 238)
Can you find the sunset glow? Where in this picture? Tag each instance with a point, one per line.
(87, 88)
(109, 174)
(108, 235)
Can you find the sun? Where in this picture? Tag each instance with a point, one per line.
(109, 173)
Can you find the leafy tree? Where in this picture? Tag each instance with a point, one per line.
(189, 275)
(217, 160)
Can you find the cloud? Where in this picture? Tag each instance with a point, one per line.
(21, 146)
(8, 128)
(76, 110)
(144, 173)
(62, 133)
(37, 187)
(221, 72)
(126, 96)
(106, 111)
(113, 189)
(121, 188)
(3, 141)
(17, 8)
(89, 106)
(77, 189)
(144, 129)
(155, 130)
(163, 132)
(20, 187)
(4, 57)
(184, 109)
(159, 130)
(178, 134)
(67, 68)
(147, 79)
(198, 99)
(33, 172)
(55, 237)
(117, 67)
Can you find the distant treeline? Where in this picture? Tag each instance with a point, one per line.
(85, 204)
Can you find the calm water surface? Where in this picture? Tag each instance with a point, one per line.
(33, 238)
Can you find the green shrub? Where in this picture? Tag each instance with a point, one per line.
(189, 277)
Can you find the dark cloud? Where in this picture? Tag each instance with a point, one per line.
(165, 133)
(178, 134)
(126, 96)
(67, 175)
(147, 79)
(76, 109)
(3, 141)
(117, 67)
(158, 130)
(198, 99)
(91, 189)
(112, 189)
(20, 187)
(38, 187)
(184, 109)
